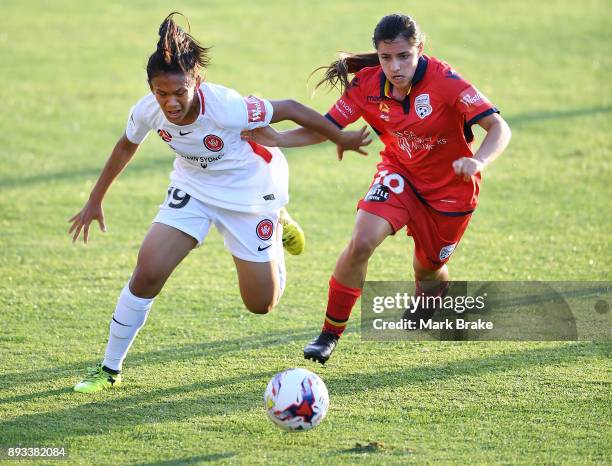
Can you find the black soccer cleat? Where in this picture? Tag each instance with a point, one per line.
(321, 348)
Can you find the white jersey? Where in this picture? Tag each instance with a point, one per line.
(213, 164)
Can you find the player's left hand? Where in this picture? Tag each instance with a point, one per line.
(467, 167)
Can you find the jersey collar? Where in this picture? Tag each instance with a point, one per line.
(202, 105)
(386, 87)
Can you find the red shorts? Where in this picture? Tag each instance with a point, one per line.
(435, 235)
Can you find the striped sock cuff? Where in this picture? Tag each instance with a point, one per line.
(335, 322)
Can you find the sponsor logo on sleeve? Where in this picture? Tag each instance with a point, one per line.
(422, 106)
(213, 142)
(264, 229)
(256, 109)
(165, 135)
(471, 97)
(345, 109)
(446, 251)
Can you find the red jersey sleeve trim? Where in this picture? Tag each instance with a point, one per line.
(202, 105)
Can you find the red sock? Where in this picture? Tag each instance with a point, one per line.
(339, 306)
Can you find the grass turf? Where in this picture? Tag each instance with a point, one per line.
(196, 374)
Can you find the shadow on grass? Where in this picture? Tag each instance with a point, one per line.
(523, 119)
(210, 350)
(110, 411)
(191, 460)
(515, 360)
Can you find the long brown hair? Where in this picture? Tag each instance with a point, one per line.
(177, 51)
(388, 28)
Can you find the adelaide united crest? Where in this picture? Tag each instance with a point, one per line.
(422, 106)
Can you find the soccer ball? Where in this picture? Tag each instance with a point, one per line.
(296, 399)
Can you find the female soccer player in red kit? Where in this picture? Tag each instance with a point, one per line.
(428, 179)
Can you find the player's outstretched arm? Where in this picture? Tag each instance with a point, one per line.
(315, 128)
(92, 210)
(268, 136)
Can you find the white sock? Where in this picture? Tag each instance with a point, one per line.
(129, 317)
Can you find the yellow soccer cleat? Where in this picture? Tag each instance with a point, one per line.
(97, 380)
(294, 239)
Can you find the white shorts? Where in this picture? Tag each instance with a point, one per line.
(248, 236)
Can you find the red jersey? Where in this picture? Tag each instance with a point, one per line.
(424, 133)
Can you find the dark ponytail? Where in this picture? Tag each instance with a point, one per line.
(388, 29)
(177, 51)
(336, 74)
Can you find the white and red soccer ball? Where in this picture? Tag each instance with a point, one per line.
(296, 399)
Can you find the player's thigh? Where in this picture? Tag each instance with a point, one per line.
(371, 226)
(163, 248)
(182, 222)
(389, 198)
(255, 242)
(259, 284)
(369, 231)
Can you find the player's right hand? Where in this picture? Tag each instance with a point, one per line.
(354, 140)
(90, 212)
(266, 136)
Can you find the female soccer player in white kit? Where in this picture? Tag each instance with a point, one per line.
(218, 179)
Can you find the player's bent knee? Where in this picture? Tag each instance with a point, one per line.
(260, 296)
(261, 303)
(260, 308)
(361, 248)
(146, 283)
(423, 273)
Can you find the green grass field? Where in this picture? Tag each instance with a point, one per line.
(196, 374)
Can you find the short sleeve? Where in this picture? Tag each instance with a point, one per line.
(137, 128)
(473, 105)
(258, 112)
(242, 113)
(346, 110)
(463, 97)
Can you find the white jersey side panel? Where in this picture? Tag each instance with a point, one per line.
(212, 163)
